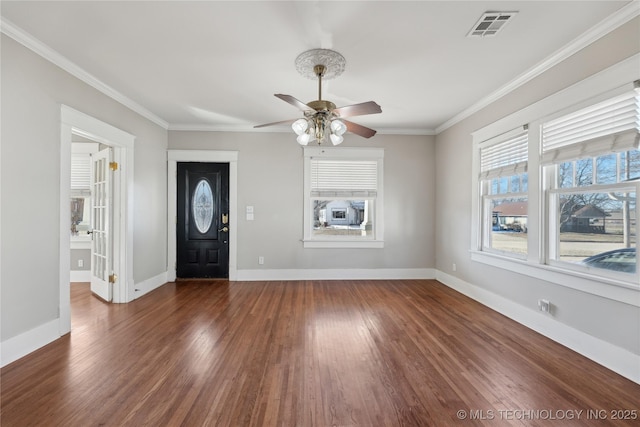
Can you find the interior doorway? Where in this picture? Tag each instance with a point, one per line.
(76, 123)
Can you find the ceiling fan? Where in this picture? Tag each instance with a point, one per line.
(322, 119)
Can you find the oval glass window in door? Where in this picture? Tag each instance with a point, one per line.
(202, 206)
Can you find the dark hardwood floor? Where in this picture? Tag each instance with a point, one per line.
(307, 353)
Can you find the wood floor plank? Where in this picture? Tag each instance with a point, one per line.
(305, 353)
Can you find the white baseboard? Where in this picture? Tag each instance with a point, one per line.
(337, 274)
(27, 342)
(606, 354)
(80, 276)
(149, 285)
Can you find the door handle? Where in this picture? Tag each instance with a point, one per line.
(225, 229)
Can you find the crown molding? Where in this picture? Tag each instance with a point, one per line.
(199, 127)
(186, 127)
(407, 131)
(612, 22)
(617, 19)
(30, 42)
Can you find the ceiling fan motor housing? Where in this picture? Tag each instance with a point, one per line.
(322, 105)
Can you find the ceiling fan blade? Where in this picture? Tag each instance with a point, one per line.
(283, 122)
(294, 101)
(358, 109)
(363, 131)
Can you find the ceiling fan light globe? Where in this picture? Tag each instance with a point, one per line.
(300, 126)
(336, 139)
(304, 139)
(338, 127)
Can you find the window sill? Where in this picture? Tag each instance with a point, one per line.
(617, 290)
(80, 242)
(343, 244)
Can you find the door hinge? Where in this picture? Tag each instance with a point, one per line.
(113, 166)
(113, 278)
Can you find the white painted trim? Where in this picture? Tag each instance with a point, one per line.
(146, 286)
(285, 129)
(612, 357)
(337, 274)
(342, 243)
(76, 122)
(617, 19)
(27, 342)
(335, 153)
(617, 359)
(212, 156)
(614, 79)
(30, 42)
(80, 276)
(80, 244)
(609, 79)
(609, 288)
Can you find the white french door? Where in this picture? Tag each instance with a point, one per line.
(101, 247)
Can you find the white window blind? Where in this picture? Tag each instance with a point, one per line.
(344, 178)
(505, 155)
(606, 127)
(80, 175)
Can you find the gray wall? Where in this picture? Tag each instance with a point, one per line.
(270, 174)
(608, 320)
(80, 254)
(270, 179)
(32, 91)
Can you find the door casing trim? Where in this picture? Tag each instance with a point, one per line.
(78, 123)
(206, 156)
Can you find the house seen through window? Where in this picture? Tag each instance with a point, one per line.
(343, 197)
(587, 161)
(592, 164)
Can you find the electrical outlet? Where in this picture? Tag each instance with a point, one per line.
(261, 260)
(80, 263)
(454, 267)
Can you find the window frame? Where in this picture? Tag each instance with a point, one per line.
(501, 165)
(377, 201)
(610, 82)
(553, 236)
(552, 191)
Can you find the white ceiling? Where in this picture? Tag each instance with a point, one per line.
(216, 64)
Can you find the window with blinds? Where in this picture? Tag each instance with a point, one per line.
(563, 190)
(343, 197)
(80, 191)
(80, 175)
(503, 178)
(505, 155)
(592, 162)
(344, 178)
(610, 126)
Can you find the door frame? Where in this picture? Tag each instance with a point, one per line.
(202, 156)
(74, 122)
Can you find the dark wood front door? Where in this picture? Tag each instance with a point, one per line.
(203, 220)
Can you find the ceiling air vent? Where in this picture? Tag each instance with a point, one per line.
(490, 23)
